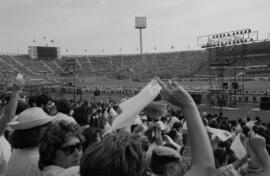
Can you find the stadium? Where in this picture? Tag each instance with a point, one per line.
(135, 88)
(117, 76)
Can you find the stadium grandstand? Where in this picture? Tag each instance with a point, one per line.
(137, 67)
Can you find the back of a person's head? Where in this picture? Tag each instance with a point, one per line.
(117, 154)
(220, 157)
(32, 100)
(166, 161)
(21, 107)
(245, 130)
(64, 106)
(25, 139)
(97, 122)
(91, 135)
(81, 115)
(177, 125)
(172, 134)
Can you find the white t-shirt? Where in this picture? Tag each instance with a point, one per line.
(54, 170)
(5, 152)
(24, 162)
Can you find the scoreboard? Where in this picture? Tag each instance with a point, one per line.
(44, 52)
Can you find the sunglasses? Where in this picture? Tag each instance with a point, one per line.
(69, 150)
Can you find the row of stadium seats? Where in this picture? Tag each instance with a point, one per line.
(164, 65)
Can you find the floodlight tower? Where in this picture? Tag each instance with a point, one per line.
(140, 23)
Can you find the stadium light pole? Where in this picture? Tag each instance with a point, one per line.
(140, 23)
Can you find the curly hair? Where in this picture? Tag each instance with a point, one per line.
(116, 154)
(28, 138)
(56, 134)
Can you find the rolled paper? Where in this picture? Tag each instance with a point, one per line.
(133, 106)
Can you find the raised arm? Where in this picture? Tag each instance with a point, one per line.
(11, 107)
(202, 154)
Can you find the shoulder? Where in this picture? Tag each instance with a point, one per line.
(59, 171)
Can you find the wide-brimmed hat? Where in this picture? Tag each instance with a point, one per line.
(30, 118)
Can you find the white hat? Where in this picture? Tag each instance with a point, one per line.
(30, 118)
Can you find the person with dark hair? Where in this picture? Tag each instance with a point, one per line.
(32, 101)
(25, 140)
(81, 115)
(176, 137)
(64, 106)
(60, 149)
(165, 161)
(21, 106)
(91, 135)
(63, 109)
(47, 104)
(117, 154)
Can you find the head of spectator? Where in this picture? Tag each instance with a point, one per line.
(28, 128)
(98, 122)
(91, 135)
(153, 133)
(47, 104)
(116, 154)
(144, 119)
(176, 137)
(21, 106)
(61, 145)
(82, 115)
(178, 126)
(64, 106)
(32, 101)
(166, 161)
(246, 130)
(221, 157)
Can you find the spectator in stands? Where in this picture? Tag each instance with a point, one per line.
(60, 149)
(82, 115)
(32, 101)
(64, 109)
(166, 162)
(25, 140)
(47, 104)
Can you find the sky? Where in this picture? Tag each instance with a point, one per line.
(96, 27)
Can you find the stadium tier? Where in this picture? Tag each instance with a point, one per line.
(164, 65)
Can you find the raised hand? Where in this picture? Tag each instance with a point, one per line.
(175, 94)
(19, 82)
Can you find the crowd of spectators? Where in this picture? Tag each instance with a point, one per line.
(44, 136)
